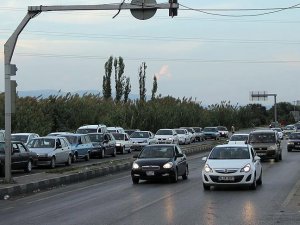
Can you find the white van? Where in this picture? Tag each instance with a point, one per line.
(100, 128)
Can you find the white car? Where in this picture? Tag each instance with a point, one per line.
(23, 137)
(140, 139)
(231, 165)
(238, 139)
(167, 136)
(183, 136)
(94, 128)
(279, 132)
(51, 150)
(123, 143)
(119, 130)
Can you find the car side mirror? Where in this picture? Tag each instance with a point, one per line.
(58, 146)
(14, 150)
(179, 155)
(256, 158)
(204, 158)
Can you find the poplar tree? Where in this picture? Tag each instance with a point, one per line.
(106, 85)
(142, 81)
(154, 88)
(127, 89)
(119, 78)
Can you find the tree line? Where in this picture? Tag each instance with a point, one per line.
(68, 112)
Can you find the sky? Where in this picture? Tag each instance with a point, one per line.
(211, 58)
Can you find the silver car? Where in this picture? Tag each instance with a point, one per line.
(51, 150)
(142, 138)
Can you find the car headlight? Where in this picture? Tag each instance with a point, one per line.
(118, 144)
(170, 139)
(273, 147)
(135, 166)
(168, 165)
(246, 168)
(207, 169)
(290, 143)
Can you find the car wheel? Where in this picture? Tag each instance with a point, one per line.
(28, 167)
(75, 158)
(206, 187)
(186, 173)
(253, 185)
(129, 151)
(114, 153)
(102, 153)
(69, 161)
(289, 149)
(135, 180)
(52, 163)
(174, 179)
(277, 158)
(87, 157)
(123, 150)
(280, 156)
(259, 181)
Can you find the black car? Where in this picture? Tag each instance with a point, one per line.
(103, 144)
(21, 157)
(293, 141)
(160, 161)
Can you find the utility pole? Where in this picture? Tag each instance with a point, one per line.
(140, 9)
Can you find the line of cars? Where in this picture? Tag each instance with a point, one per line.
(90, 141)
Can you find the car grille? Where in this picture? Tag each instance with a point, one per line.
(226, 171)
(147, 168)
(236, 179)
(257, 149)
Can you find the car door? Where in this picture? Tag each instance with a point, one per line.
(180, 161)
(257, 163)
(16, 157)
(127, 142)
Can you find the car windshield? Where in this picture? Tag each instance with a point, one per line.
(157, 152)
(42, 143)
(277, 129)
(180, 131)
(164, 132)
(230, 153)
(237, 137)
(197, 129)
(18, 137)
(262, 138)
(222, 128)
(210, 129)
(139, 135)
(120, 137)
(86, 130)
(71, 139)
(96, 137)
(294, 136)
(289, 128)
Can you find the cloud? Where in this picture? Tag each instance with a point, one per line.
(164, 72)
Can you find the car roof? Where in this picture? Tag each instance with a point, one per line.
(263, 131)
(22, 133)
(233, 145)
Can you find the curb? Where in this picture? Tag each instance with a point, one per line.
(86, 173)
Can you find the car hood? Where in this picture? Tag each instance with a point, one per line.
(236, 142)
(139, 140)
(121, 142)
(164, 136)
(41, 150)
(228, 163)
(152, 161)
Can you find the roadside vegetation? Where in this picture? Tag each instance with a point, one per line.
(68, 112)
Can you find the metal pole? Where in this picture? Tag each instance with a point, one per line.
(275, 108)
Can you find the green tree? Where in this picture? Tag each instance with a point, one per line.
(142, 81)
(154, 88)
(127, 89)
(119, 78)
(106, 85)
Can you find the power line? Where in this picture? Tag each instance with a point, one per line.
(157, 38)
(272, 11)
(183, 60)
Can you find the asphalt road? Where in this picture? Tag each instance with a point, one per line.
(114, 200)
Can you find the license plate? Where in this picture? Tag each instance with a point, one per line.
(226, 178)
(150, 173)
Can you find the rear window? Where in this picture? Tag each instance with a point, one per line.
(262, 138)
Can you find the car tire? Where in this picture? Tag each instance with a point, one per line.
(206, 187)
(277, 158)
(114, 153)
(254, 183)
(135, 180)
(174, 178)
(259, 181)
(280, 156)
(52, 163)
(102, 153)
(186, 173)
(74, 158)
(69, 161)
(289, 150)
(28, 167)
(123, 150)
(87, 157)
(129, 151)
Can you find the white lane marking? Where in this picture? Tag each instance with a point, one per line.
(291, 194)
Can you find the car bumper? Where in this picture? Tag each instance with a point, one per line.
(150, 175)
(217, 179)
(267, 154)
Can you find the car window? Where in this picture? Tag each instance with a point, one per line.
(157, 152)
(237, 137)
(178, 150)
(230, 153)
(294, 136)
(42, 143)
(262, 137)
